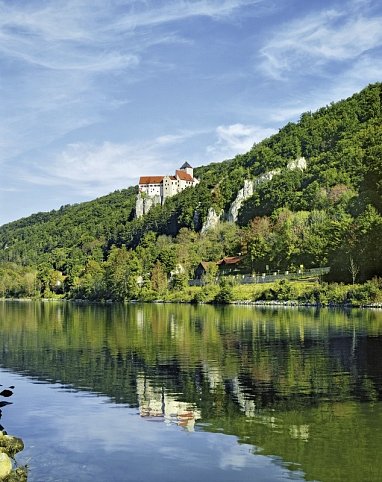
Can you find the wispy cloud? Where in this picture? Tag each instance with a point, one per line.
(309, 44)
(161, 12)
(363, 71)
(235, 139)
(58, 59)
(182, 136)
(94, 169)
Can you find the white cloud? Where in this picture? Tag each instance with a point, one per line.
(94, 169)
(363, 71)
(310, 43)
(57, 58)
(236, 139)
(181, 136)
(94, 35)
(90, 168)
(175, 10)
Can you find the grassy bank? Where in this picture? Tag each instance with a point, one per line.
(299, 292)
(280, 292)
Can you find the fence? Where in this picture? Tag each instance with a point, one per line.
(270, 277)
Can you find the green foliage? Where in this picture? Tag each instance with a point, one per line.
(17, 281)
(326, 214)
(225, 294)
(281, 290)
(159, 281)
(121, 271)
(206, 294)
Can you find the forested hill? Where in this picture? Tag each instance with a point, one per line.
(327, 213)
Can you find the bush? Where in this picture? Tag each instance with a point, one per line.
(225, 294)
(369, 292)
(206, 294)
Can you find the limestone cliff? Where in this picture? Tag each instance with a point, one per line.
(212, 220)
(244, 193)
(145, 203)
(299, 163)
(247, 190)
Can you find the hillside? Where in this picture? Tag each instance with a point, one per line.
(326, 213)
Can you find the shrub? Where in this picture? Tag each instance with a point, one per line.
(224, 295)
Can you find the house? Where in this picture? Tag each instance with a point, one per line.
(167, 186)
(202, 269)
(230, 265)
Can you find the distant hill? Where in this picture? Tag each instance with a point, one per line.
(327, 213)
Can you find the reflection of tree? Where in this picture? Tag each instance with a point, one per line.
(266, 376)
(274, 357)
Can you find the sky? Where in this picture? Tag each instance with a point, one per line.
(95, 93)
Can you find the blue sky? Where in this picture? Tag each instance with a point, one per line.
(95, 93)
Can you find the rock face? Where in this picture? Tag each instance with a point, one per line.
(244, 193)
(5, 465)
(212, 220)
(249, 186)
(9, 447)
(144, 204)
(267, 176)
(299, 163)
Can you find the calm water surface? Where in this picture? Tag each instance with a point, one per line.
(184, 393)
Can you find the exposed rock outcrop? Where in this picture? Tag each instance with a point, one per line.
(5, 465)
(299, 163)
(244, 193)
(212, 220)
(266, 176)
(145, 203)
(247, 190)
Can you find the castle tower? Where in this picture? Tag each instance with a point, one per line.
(188, 169)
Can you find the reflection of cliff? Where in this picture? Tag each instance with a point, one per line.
(281, 380)
(157, 402)
(248, 356)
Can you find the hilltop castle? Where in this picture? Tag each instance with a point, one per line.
(156, 189)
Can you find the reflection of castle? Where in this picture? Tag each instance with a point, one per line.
(156, 402)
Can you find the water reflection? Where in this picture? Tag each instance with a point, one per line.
(295, 384)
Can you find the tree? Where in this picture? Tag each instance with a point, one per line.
(122, 270)
(158, 279)
(353, 268)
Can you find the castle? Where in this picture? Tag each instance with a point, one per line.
(167, 186)
(156, 189)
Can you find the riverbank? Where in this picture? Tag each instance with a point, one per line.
(279, 293)
(282, 293)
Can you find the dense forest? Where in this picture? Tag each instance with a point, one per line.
(325, 214)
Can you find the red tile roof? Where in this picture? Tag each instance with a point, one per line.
(230, 260)
(150, 179)
(182, 175)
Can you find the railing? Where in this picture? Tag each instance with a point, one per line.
(270, 277)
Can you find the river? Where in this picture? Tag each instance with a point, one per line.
(193, 393)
